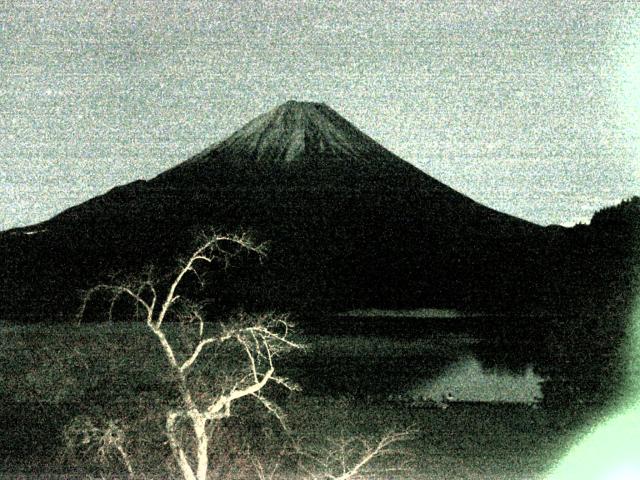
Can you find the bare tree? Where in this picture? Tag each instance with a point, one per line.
(347, 458)
(258, 338)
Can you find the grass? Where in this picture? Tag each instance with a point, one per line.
(51, 373)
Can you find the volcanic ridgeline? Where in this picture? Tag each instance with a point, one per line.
(349, 225)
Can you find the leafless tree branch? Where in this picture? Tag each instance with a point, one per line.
(345, 459)
(261, 337)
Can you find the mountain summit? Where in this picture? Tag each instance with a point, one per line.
(299, 143)
(298, 130)
(350, 224)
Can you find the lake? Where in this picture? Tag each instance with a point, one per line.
(475, 358)
(352, 373)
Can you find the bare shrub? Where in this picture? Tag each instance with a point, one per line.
(357, 457)
(95, 440)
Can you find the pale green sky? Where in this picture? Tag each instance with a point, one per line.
(530, 107)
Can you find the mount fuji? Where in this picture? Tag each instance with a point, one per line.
(349, 224)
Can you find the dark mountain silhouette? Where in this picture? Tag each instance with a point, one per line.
(349, 223)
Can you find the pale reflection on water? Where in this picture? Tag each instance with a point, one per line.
(466, 380)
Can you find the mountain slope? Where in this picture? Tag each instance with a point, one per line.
(349, 223)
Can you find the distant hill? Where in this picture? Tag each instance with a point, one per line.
(350, 225)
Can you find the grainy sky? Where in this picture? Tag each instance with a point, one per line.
(531, 107)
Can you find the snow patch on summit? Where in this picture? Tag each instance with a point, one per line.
(295, 129)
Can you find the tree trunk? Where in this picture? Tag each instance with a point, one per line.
(202, 442)
(177, 450)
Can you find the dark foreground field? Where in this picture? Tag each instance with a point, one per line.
(466, 442)
(50, 374)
